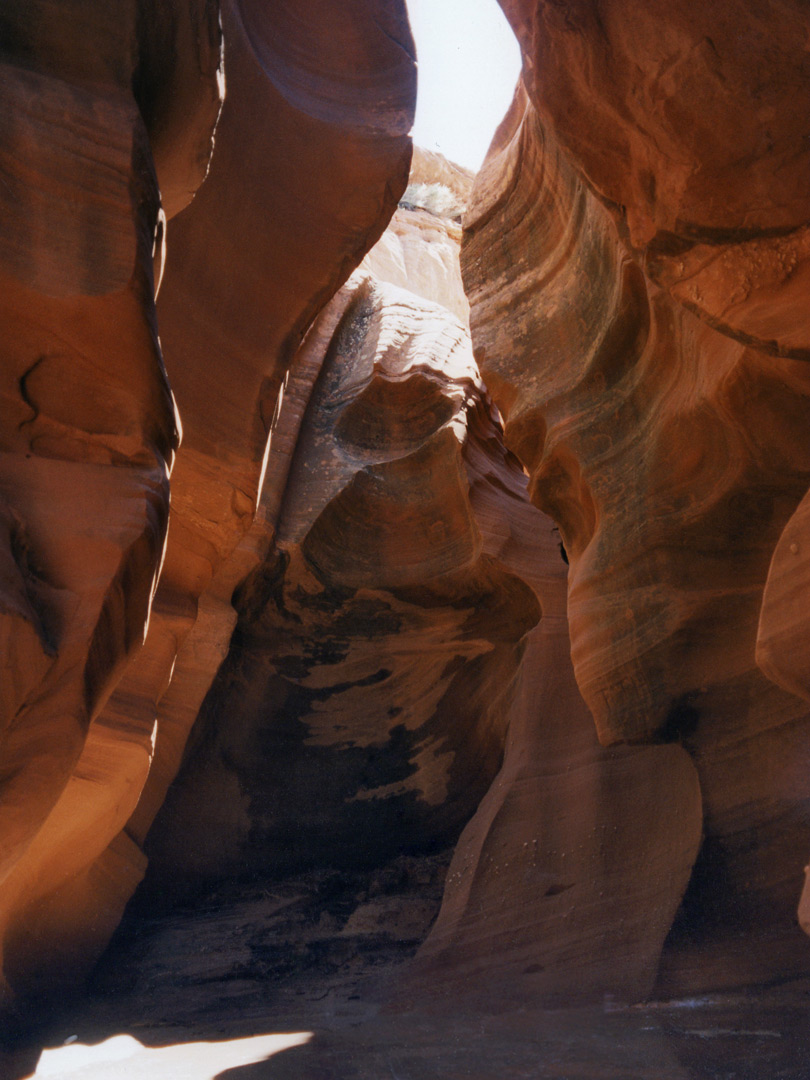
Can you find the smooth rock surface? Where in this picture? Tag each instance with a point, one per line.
(623, 749)
(250, 263)
(89, 427)
(686, 118)
(644, 341)
(364, 704)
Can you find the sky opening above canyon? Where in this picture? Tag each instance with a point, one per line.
(469, 62)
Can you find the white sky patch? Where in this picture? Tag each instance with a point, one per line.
(469, 62)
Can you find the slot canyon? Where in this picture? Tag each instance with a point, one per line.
(405, 594)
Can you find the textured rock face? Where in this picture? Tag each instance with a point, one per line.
(419, 249)
(636, 256)
(324, 100)
(630, 426)
(231, 325)
(363, 706)
(688, 118)
(378, 661)
(89, 427)
(644, 342)
(564, 884)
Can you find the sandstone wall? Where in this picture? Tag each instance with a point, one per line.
(311, 156)
(623, 748)
(635, 282)
(363, 706)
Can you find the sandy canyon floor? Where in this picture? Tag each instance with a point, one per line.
(304, 981)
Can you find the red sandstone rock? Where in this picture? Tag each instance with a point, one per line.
(88, 421)
(689, 120)
(622, 407)
(363, 705)
(323, 100)
(645, 356)
(637, 259)
(564, 884)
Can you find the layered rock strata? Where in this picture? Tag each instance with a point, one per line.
(636, 257)
(564, 884)
(323, 100)
(644, 341)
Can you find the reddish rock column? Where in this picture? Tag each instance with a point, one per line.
(89, 428)
(312, 153)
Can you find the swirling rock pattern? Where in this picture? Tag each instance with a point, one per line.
(636, 256)
(324, 100)
(645, 346)
(564, 884)
(249, 274)
(687, 120)
(378, 661)
(363, 706)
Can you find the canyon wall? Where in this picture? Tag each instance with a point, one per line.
(635, 258)
(311, 156)
(357, 595)
(363, 706)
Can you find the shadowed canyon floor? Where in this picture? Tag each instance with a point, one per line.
(301, 981)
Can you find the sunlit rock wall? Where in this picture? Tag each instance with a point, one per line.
(387, 675)
(420, 248)
(634, 257)
(311, 156)
(363, 706)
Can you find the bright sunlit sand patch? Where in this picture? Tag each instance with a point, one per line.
(124, 1058)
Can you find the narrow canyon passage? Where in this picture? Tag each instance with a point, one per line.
(403, 600)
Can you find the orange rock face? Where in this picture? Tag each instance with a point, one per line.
(89, 429)
(379, 659)
(634, 307)
(621, 748)
(687, 119)
(89, 425)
